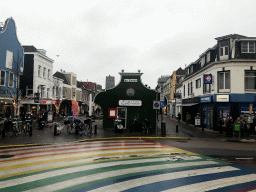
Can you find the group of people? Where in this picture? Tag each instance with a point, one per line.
(230, 123)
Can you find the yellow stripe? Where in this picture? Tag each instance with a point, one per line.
(86, 156)
(96, 139)
(89, 151)
(87, 162)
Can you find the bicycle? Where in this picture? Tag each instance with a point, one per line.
(27, 128)
(69, 125)
(11, 126)
(88, 123)
(80, 127)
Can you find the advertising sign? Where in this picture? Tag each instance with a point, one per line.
(130, 103)
(207, 78)
(222, 98)
(74, 109)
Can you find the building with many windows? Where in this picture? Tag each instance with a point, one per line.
(110, 82)
(37, 80)
(11, 68)
(221, 82)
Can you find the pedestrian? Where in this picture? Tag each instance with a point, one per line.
(231, 128)
(179, 116)
(221, 123)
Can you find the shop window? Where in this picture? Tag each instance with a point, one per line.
(11, 80)
(198, 83)
(224, 82)
(2, 79)
(250, 81)
(247, 47)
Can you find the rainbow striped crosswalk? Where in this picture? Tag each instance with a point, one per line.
(118, 165)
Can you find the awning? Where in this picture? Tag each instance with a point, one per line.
(189, 104)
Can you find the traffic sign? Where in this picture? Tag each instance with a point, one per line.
(162, 104)
(161, 97)
(156, 104)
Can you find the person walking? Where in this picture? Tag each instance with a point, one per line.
(179, 117)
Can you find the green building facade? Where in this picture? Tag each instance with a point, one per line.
(128, 100)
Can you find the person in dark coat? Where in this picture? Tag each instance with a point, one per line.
(179, 117)
(221, 123)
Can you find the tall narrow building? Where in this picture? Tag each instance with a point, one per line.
(110, 82)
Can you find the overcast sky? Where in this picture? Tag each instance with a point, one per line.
(97, 38)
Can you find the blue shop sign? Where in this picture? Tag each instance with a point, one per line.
(205, 99)
(207, 78)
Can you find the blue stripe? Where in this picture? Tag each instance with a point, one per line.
(164, 185)
(140, 176)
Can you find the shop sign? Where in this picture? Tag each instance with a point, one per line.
(130, 103)
(247, 112)
(222, 98)
(206, 99)
(207, 78)
(131, 80)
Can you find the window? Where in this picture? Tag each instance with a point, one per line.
(202, 61)
(11, 80)
(247, 47)
(42, 91)
(2, 80)
(208, 57)
(198, 83)
(184, 90)
(9, 59)
(53, 91)
(44, 72)
(49, 72)
(188, 89)
(250, 80)
(207, 88)
(224, 51)
(224, 81)
(191, 88)
(48, 92)
(39, 70)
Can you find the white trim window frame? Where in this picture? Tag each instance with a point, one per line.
(198, 83)
(44, 72)
(2, 78)
(223, 51)
(250, 80)
(247, 47)
(11, 80)
(39, 70)
(224, 81)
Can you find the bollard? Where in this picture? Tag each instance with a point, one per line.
(55, 130)
(163, 129)
(95, 129)
(177, 128)
(30, 131)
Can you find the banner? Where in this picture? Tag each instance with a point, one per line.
(74, 109)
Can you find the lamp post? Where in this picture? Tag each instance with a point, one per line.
(161, 83)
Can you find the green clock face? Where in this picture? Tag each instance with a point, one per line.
(130, 92)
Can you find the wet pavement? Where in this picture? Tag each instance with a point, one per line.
(174, 130)
(118, 165)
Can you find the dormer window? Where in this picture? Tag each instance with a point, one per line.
(191, 69)
(248, 47)
(224, 51)
(202, 61)
(208, 57)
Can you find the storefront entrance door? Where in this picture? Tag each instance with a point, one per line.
(121, 113)
(209, 123)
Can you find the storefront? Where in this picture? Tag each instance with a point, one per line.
(128, 100)
(207, 112)
(190, 107)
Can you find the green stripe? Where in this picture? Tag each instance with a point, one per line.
(65, 177)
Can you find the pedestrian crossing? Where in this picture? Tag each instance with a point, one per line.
(118, 165)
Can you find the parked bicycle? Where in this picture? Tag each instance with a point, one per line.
(27, 126)
(88, 123)
(69, 124)
(79, 127)
(11, 126)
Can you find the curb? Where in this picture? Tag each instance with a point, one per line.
(96, 139)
